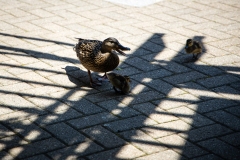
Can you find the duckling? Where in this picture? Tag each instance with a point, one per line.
(193, 47)
(99, 56)
(119, 82)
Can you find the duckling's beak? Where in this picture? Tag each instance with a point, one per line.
(121, 48)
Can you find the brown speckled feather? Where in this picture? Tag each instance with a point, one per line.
(91, 57)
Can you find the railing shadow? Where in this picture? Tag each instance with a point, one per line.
(80, 122)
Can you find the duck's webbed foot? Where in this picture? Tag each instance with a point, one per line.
(195, 56)
(103, 78)
(117, 91)
(93, 83)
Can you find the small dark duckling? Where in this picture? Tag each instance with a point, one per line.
(193, 47)
(119, 82)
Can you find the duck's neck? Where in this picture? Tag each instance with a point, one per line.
(104, 49)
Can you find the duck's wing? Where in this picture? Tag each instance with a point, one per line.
(197, 45)
(87, 48)
(122, 81)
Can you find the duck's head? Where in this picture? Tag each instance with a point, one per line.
(127, 78)
(189, 43)
(111, 44)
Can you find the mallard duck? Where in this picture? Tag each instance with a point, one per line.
(99, 56)
(119, 82)
(193, 47)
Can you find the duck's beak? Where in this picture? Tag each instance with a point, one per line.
(121, 48)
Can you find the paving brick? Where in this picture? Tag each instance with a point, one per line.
(168, 154)
(28, 130)
(219, 19)
(124, 152)
(16, 102)
(198, 91)
(226, 59)
(143, 141)
(160, 58)
(129, 123)
(99, 134)
(208, 156)
(5, 156)
(56, 117)
(191, 117)
(50, 105)
(27, 26)
(181, 146)
(118, 108)
(127, 71)
(232, 139)
(164, 87)
(225, 118)
(176, 68)
(38, 157)
(5, 110)
(83, 106)
(155, 113)
(141, 97)
(141, 64)
(205, 69)
(21, 115)
(15, 87)
(185, 77)
(220, 148)
(36, 148)
(34, 79)
(222, 80)
(164, 129)
(207, 132)
(5, 132)
(234, 110)
(228, 92)
(7, 78)
(92, 120)
(169, 103)
(10, 142)
(41, 91)
(211, 105)
(76, 151)
(65, 133)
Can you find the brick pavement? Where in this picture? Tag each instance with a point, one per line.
(177, 109)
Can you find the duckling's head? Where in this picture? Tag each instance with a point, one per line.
(189, 43)
(111, 44)
(127, 78)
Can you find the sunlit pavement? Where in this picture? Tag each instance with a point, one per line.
(177, 109)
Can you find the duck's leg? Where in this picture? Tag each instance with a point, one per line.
(193, 56)
(92, 83)
(198, 55)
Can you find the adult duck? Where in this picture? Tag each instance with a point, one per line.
(99, 56)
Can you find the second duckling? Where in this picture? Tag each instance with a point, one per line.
(193, 47)
(119, 82)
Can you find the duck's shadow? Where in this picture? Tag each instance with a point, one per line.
(80, 78)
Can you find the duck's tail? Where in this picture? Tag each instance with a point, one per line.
(75, 47)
